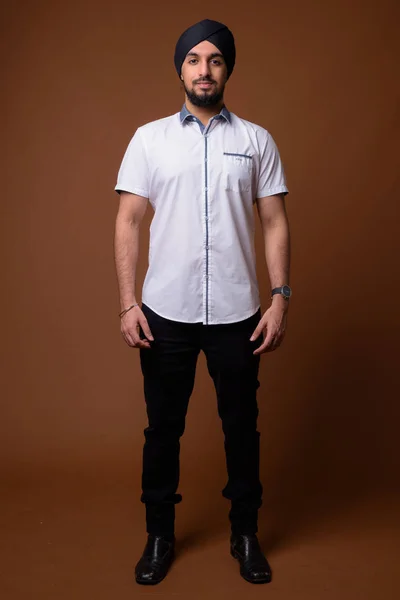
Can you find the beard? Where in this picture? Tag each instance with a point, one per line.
(204, 98)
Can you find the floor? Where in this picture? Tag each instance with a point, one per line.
(78, 537)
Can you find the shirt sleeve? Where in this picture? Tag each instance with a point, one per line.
(133, 174)
(271, 178)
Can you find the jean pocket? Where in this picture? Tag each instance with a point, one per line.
(237, 171)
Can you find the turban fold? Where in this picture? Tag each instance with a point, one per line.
(212, 31)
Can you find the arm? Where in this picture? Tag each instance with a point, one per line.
(132, 209)
(275, 227)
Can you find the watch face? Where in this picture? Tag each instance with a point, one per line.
(286, 290)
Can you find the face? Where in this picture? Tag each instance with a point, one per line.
(204, 74)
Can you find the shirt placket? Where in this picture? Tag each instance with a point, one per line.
(206, 239)
(207, 285)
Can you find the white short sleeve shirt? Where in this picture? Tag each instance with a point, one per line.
(202, 183)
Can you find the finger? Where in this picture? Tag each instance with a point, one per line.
(139, 342)
(146, 329)
(265, 345)
(275, 344)
(127, 338)
(133, 340)
(143, 344)
(279, 338)
(271, 348)
(256, 333)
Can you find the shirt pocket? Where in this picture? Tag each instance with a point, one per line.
(237, 171)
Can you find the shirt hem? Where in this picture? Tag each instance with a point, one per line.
(164, 316)
(280, 189)
(134, 190)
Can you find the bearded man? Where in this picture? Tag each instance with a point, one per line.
(202, 169)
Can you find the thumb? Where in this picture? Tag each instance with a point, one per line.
(146, 329)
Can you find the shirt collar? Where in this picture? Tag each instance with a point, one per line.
(185, 114)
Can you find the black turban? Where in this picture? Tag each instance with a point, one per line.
(212, 31)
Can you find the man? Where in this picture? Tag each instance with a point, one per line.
(202, 169)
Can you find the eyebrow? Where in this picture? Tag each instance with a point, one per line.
(213, 55)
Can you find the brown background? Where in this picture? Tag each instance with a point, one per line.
(79, 78)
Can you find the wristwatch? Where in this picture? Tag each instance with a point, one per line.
(285, 290)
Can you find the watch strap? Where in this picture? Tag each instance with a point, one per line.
(281, 290)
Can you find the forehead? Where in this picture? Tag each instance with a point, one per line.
(204, 48)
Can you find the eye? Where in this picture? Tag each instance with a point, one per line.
(192, 61)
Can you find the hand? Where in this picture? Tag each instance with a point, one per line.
(272, 324)
(130, 323)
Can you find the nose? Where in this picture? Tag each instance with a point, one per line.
(204, 68)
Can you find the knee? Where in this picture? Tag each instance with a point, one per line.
(240, 431)
(165, 432)
(238, 419)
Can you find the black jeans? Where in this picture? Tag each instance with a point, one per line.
(168, 369)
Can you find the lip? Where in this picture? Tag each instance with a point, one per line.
(204, 84)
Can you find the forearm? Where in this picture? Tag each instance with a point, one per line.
(277, 251)
(126, 252)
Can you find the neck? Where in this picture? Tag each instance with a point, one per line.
(204, 113)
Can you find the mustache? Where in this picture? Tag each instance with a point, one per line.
(203, 81)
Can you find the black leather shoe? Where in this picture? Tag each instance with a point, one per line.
(156, 559)
(254, 566)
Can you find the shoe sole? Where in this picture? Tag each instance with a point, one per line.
(140, 582)
(263, 580)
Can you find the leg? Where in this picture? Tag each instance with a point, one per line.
(234, 370)
(168, 369)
